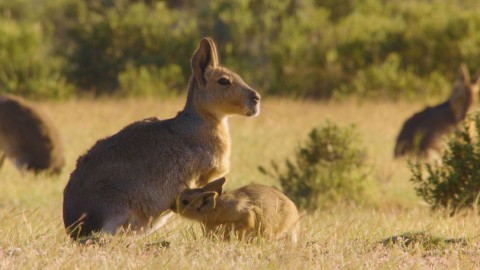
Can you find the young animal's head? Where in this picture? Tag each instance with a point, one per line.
(215, 90)
(465, 93)
(198, 202)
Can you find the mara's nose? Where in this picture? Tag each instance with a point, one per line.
(255, 96)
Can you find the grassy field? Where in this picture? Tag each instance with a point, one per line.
(31, 227)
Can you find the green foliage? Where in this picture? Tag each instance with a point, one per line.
(329, 167)
(389, 80)
(26, 68)
(151, 81)
(405, 48)
(304, 48)
(454, 182)
(136, 34)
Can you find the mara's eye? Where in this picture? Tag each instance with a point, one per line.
(184, 202)
(223, 81)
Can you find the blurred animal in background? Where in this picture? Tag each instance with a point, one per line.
(422, 134)
(28, 138)
(130, 179)
(249, 211)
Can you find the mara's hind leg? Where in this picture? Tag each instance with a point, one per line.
(114, 222)
(21, 165)
(94, 221)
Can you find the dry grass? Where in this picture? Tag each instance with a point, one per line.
(31, 227)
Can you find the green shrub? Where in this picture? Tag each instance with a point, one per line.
(337, 8)
(310, 48)
(303, 57)
(328, 168)
(27, 66)
(453, 183)
(151, 81)
(247, 32)
(135, 34)
(389, 81)
(405, 48)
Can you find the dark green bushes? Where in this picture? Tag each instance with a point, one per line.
(151, 39)
(26, 67)
(302, 48)
(454, 183)
(328, 168)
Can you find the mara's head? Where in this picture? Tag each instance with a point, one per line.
(196, 203)
(465, 93)
(216, 90)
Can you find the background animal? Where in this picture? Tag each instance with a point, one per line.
(422, 134)
(249, 211)
(134, 176)
(28, 138)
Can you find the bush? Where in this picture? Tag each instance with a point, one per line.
(303, 60)
(151, 81)
(453, 183)
(389, 81)
(418, 44)
(27, 66)
(126, 35)
(328, 168)
(308, 48)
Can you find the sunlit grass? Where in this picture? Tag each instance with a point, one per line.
(347, 236)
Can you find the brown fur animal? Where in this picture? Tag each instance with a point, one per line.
(28, 138)
(248, 211)
(422, 134)
(134, 176)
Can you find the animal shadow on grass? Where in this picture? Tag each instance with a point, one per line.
(413, 241)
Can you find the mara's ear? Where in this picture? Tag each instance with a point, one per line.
(475, 86)
(463, 75)
(205, 56)
(215, 185)
(476, 78)
(209, 200)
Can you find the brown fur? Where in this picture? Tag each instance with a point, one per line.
(133, 177)
(248, 211)
(28, 138)
(422, 134)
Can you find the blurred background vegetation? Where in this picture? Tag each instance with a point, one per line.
(388, 49)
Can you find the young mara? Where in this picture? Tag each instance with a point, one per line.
(27, 138)
(422, 134)
(248, 211)
(133, 177)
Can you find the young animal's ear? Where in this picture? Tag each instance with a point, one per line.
(205, 56)
(463, 75)
(209, 200)
(215, 185)
(174, 206)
